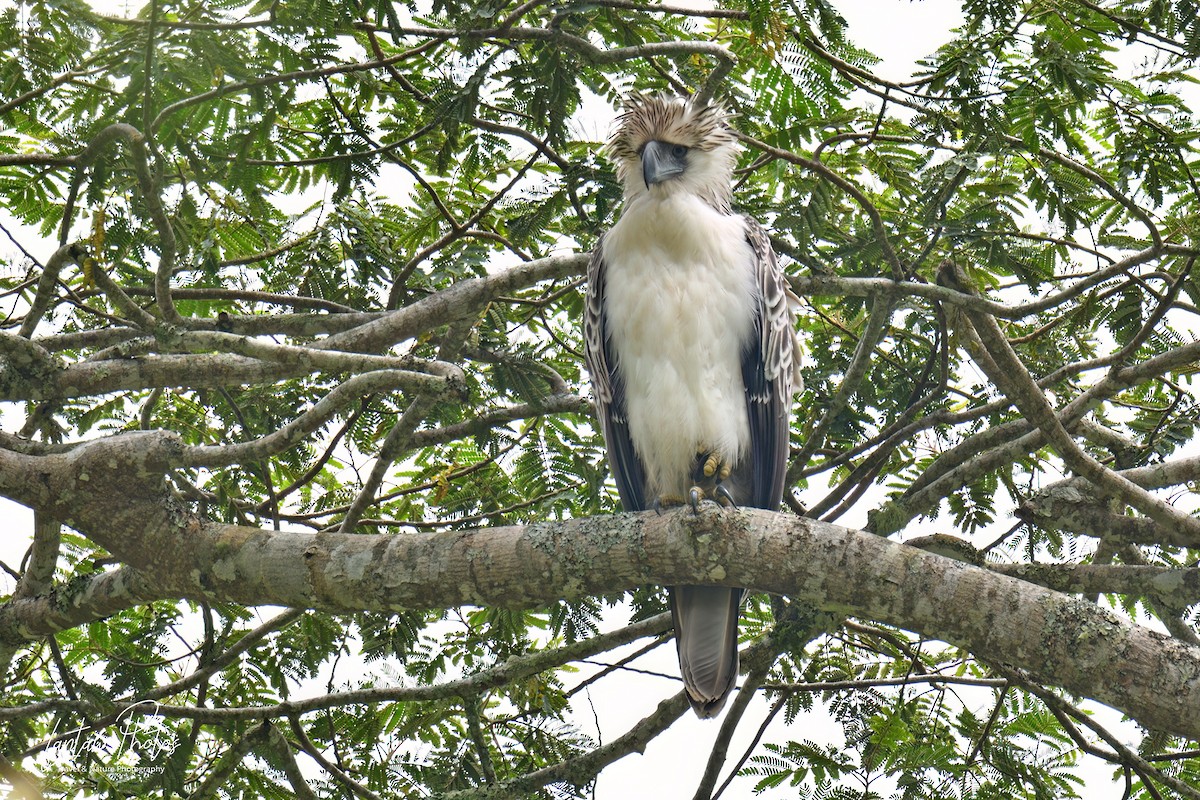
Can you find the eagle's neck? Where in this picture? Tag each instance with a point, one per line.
(716, 195)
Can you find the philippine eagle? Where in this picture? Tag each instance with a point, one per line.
(692, 351)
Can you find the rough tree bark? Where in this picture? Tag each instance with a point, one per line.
(112, 490)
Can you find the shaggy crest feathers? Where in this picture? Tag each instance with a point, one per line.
(668, 118)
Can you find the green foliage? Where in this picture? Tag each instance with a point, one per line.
(322, 163)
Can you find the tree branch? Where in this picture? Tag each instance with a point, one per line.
(399, 438)
(1010, 375)
(1061, 639)
(462, 299)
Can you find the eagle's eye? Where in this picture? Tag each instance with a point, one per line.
(678, 150)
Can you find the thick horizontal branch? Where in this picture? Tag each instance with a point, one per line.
(1064, 640)
(111, 490)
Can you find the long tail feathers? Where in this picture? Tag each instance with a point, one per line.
(706, 625)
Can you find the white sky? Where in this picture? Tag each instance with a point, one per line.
(900, 32)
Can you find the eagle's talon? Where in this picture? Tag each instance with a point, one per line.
(723, 496)
(695, 495)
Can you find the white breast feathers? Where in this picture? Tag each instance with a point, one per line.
(680, 306)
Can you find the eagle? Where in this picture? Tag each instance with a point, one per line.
(692, 350)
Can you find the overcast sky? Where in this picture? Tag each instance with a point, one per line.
(900, 32)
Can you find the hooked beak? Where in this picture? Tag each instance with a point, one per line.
(660, 164)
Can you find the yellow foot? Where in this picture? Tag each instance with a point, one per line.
(714, 466)
(711, 471)
(666, 501)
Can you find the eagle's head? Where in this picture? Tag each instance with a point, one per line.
(666, 144)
